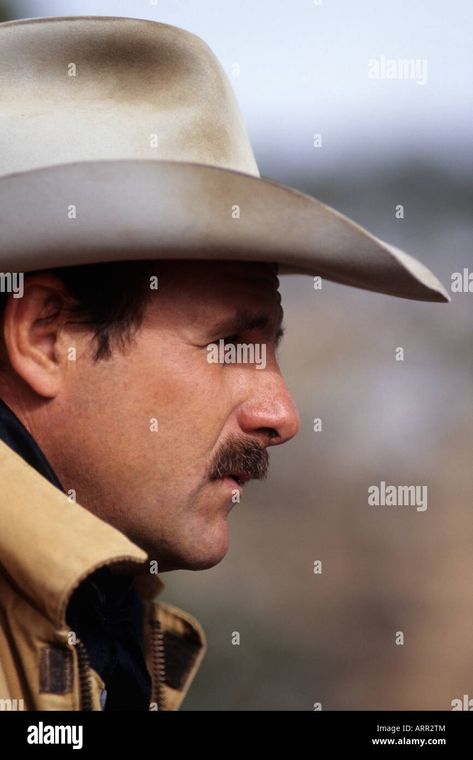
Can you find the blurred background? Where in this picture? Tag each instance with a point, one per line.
(299, 69)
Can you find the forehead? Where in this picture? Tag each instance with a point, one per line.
(219, 280)
(219, 272)
(201, 290)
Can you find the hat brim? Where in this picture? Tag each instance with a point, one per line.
(99, 211)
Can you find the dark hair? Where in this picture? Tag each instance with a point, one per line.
(108, 298)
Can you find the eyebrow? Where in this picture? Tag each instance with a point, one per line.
(243, 321)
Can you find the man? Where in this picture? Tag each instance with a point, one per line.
(140, 319)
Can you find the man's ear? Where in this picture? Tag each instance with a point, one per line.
(32, 332)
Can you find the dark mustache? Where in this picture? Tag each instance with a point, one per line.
(239, 456)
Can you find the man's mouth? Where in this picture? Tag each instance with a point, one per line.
(240, 461)
(240, 478)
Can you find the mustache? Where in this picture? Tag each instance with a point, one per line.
(240, 456)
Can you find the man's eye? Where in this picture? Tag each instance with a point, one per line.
(232, 339)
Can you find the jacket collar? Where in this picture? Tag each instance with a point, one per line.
(49, 544)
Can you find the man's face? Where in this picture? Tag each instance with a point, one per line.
(151, 436)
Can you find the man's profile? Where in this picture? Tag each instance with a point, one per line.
(131, 201)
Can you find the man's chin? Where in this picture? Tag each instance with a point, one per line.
(193, 563)
(192, 555)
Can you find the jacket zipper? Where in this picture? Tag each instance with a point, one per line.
(158, 675)
(85, 686)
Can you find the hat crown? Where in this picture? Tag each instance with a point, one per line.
(105, 88)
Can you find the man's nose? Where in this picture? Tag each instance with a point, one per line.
(271, 414)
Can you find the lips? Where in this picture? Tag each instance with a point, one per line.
(240, 478)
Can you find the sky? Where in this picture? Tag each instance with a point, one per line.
(303, 69)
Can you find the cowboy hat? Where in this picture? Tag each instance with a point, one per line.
(122, 139)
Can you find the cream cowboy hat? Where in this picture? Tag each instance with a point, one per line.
(121, 139)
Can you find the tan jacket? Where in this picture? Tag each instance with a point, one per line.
(48, 545)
